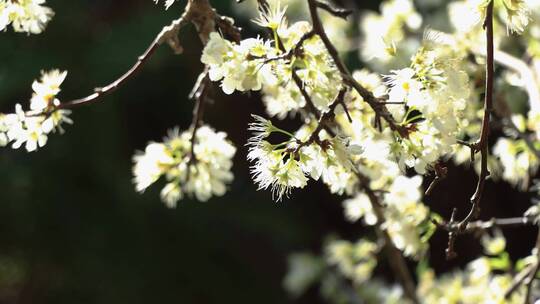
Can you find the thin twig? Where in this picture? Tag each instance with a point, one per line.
(324, 118)
(294, 51)
(199, 93)
(475, 226)
(499, 223)
(165, 35)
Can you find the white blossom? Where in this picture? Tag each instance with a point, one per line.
(274, 18)
(360, 207)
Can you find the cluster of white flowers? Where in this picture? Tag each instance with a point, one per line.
(435, 91)
(355, 261)
(404, 214)
(518, 162)
(32, 128)
(230, 63)
(320, 78)
(476, 284)
(384, 34)
(204, 174)
(514, 13)
(304, 270)
(288, 164)
(513, 160)
(255, 64)
(28, 16)
(480, 282)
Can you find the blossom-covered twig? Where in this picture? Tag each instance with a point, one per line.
(377, 106)
(395, 257)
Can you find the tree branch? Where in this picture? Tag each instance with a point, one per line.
(336, 11)
(482, 144)
(198, 12)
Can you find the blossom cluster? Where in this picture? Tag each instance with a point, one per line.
(256, 64)
(518, 160)
(355, 261)
(384, 33)
(230, 63)
(405, 217)
(480, 282)
(28, 16)
(31, 128)
(483, 280)
(288, 164)
(434, 91)
(203, 170)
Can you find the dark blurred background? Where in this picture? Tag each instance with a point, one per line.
(72, 228)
